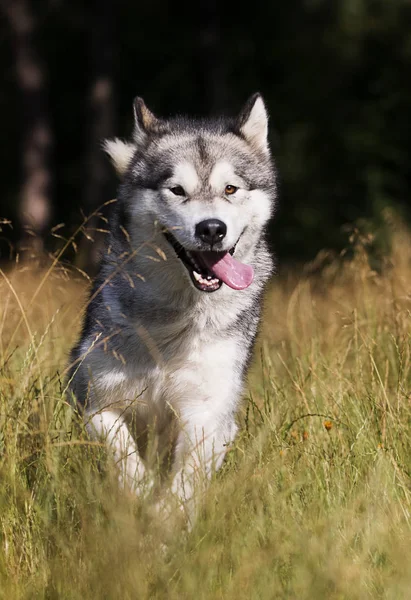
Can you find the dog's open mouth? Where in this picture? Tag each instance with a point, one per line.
(209, 270)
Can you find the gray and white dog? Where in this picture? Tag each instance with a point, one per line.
(175, 308)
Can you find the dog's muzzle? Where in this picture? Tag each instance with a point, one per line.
(209, 269)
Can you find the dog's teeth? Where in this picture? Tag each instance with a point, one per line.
(197, 276)
(209, 282)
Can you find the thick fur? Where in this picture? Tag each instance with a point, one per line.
(156, 354)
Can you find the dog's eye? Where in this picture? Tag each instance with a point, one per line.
(178, 190)
(230, 190)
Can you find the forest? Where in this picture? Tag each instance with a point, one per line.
(334, 75)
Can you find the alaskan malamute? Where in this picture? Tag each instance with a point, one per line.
(174, 310)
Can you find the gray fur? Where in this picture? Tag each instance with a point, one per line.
(154, 350)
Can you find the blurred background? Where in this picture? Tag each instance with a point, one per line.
(335, 75)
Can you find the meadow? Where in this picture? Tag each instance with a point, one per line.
(314, 498)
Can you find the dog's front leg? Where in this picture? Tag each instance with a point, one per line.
(111, 427)
(200, 450)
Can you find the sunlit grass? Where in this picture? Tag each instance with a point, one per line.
(314, 498)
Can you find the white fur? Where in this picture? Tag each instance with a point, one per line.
(186, 176)
(195, 374)
(177, 366)
(121, 154)
(199, 385)
(110, 426)
(112, 379)
(223, 174)
(262, 206)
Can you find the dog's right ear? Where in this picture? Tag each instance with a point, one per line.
(120, 153)
(144, 121)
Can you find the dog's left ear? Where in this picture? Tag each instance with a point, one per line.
(252, 123)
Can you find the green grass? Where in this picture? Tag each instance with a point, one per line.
(314, 499)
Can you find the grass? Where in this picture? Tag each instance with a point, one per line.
(314, 499)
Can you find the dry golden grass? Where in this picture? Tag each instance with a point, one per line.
(314, 499)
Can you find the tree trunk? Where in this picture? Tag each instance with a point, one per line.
(35, 202)
(101, 125)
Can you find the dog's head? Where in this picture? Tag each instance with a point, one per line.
(208, 186)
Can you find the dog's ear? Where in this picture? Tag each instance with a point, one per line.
(120, 153)
(144, 121)
(252, 123)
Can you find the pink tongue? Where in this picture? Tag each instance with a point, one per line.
(228, 269)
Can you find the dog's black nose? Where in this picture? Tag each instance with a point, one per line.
(211, 231)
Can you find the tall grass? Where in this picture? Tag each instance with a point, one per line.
(314, 498)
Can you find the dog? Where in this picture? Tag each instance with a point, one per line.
(175, 307)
